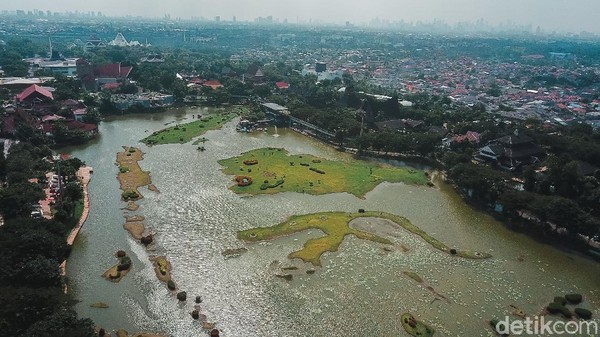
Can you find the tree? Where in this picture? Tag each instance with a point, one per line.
(73, 191)
(37, 272)
(17, 199)
(92, 116)
(21, 307)
(62, 323)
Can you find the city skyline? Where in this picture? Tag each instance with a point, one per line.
(550, 15)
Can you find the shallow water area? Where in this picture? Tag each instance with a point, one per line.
(360, 289)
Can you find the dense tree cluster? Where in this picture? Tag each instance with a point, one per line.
(33, 301)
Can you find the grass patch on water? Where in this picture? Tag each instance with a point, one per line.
(313, 175)
(335, 225)
(184, 133)
(131, 176)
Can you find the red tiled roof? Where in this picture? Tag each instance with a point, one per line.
(473, 136)
(213, 84)
(111, 86)
(52, 118)
(82, 126)
(71, 125)
(70, 102)
(33, 89)
(282, 85)
(112, 70)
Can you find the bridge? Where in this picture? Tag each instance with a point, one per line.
(282, 116)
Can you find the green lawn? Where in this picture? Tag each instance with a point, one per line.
(183, 133)
(335, 225)
(355, 177)
(78, 211)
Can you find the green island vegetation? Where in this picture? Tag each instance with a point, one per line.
(416, 328)
(335, 225)
(183, 133)
(274, 170)
(119, 270)
(131, 176)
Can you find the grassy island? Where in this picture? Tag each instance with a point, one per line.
(131, 176)
(416, 328)
(274, 170)
(336, 226)
(183, 133)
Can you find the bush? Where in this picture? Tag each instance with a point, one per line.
(574, 298)
(316, 161)
(124, 263)
(317, 170)
(171, 285)
(554, 308)
(195, 314)
(123, 169)
(123, 266)
(583, 313)
(125, 259)
(130, 195)
(273, 185)
(131, 150)
(146, 240)
(121, 253)
(560, 300)
(182, 296)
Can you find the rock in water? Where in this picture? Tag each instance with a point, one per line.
(100, 305)
(287, 277)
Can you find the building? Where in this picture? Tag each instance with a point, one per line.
(282, 85)
(34, 98)
(213, 84)
(276, 109)
(511, 152)
(67, 67)
(93, 43)
(120, 41)
(255, 74)
(93, 77)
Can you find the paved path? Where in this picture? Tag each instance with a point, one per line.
(84, 175)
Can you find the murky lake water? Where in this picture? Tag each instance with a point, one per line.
(359, 291)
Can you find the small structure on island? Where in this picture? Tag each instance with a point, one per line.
(243, 180)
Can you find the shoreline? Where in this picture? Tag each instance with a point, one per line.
(84, 174)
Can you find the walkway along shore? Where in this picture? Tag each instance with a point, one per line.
(84, 174)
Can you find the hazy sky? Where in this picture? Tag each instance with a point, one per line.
(562, 15)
